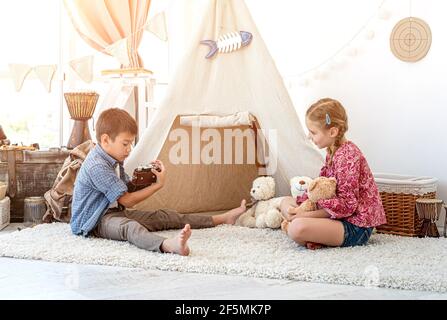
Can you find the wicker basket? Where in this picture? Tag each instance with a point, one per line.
(3, 187)
(5, 217)
(399, 194)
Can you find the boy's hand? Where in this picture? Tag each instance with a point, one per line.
(161, 175)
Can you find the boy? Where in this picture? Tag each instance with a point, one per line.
(100, 195)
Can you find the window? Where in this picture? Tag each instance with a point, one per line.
(30, 34)
(41, 33)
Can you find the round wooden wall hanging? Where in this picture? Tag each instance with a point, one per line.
(410, 39)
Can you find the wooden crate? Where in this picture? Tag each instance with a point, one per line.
(29, 174)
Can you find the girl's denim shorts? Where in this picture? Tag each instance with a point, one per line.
(355, 235)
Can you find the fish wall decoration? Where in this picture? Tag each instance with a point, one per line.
(228, 42)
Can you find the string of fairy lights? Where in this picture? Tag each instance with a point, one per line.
(346, 52)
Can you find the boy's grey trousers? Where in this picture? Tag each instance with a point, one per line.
(137, 226)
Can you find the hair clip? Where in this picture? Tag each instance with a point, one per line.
(328, 119)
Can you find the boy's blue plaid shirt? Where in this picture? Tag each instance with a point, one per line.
(96, 187)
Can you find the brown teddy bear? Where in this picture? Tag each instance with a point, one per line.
(320, 188)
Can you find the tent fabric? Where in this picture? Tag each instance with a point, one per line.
(204, 121)
(194, 186)
(245, 80)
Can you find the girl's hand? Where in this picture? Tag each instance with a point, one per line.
(294, 212)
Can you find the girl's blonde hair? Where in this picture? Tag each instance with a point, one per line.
(329, 113)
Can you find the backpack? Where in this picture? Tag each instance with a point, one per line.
(58, 198)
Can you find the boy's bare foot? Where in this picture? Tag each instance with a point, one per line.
(314, 246)
(231, 216)
(178, 244)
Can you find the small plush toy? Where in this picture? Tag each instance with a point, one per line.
(265, 212)
(320, 188)
(299, 185)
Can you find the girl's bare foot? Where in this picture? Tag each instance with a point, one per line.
(314, 246)
(289, 214)
(231, 216)
(285, 226)
(178, 244)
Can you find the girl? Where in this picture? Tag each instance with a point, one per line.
(349, 218)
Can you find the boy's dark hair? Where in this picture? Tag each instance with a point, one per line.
(114, 121)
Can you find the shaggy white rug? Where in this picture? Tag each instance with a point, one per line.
(387, 261)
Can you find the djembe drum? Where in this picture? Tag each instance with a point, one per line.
(81, 106)
(429, 210)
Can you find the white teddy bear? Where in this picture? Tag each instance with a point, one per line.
(265, 213)
(299, 185)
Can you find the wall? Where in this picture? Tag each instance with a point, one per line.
(397, 110)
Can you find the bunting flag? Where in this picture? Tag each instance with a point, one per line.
(117, 95)
(19, 73)
(157, 25)
(120, 51)
(83, 68)
(44, 73)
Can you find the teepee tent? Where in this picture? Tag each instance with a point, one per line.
(237, 90)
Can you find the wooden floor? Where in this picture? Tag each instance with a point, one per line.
(30, 279)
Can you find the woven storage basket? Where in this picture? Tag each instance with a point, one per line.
(5, 205)
(3, 188)
(399, 194)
